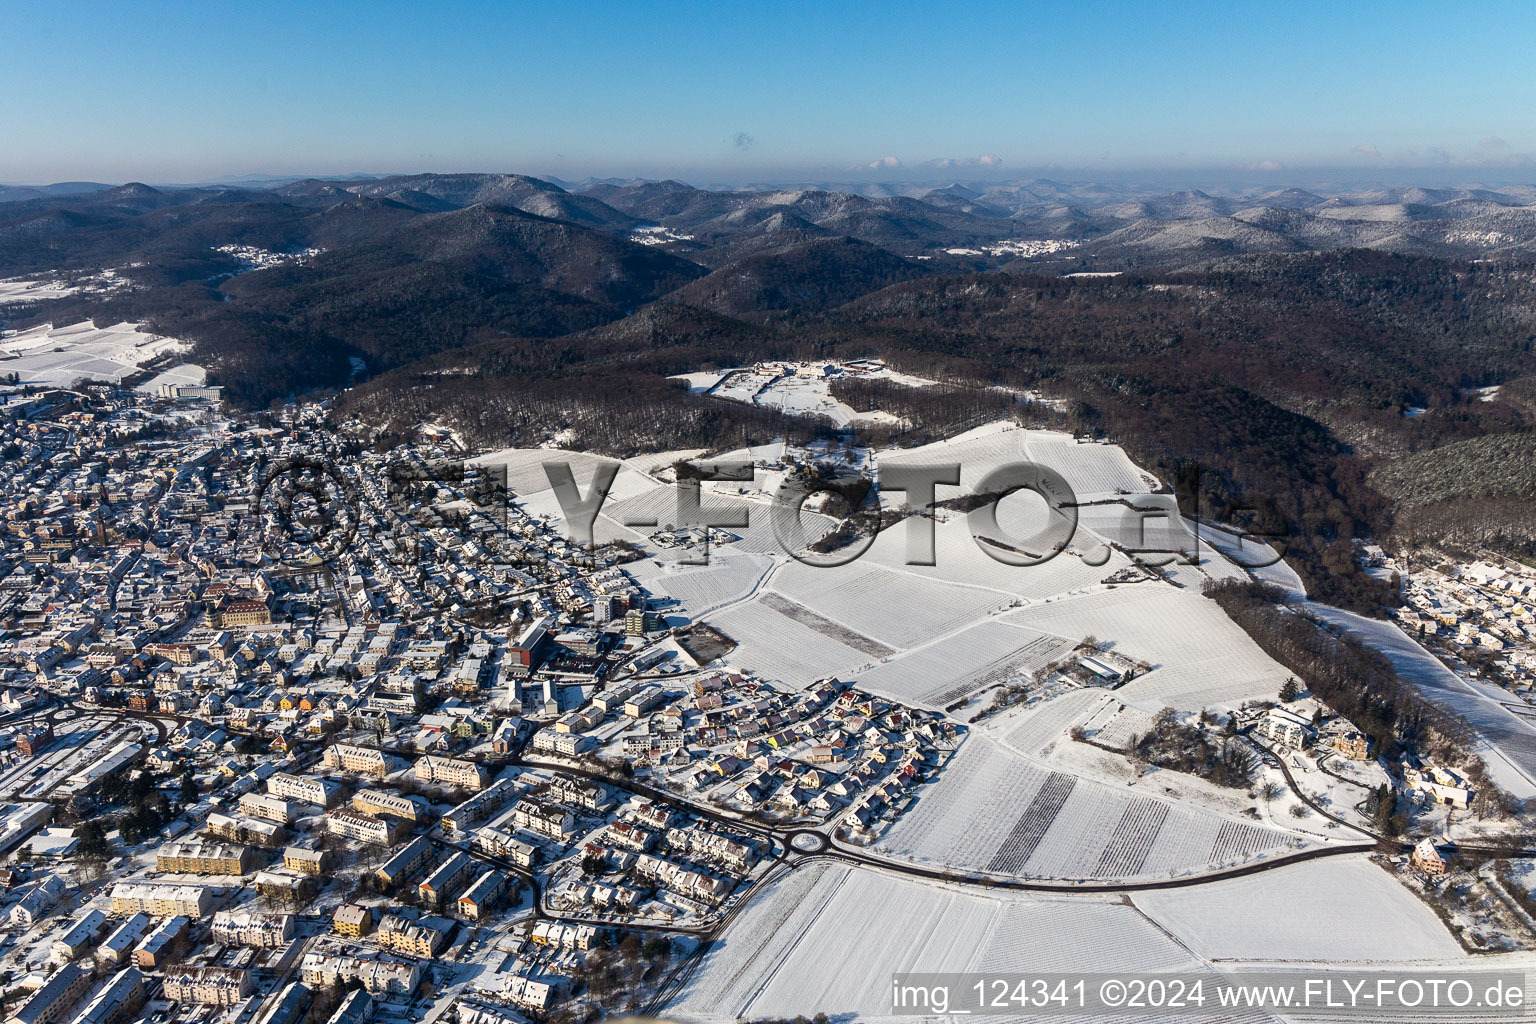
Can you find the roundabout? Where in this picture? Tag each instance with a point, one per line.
(808, 842)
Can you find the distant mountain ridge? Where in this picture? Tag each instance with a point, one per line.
(18, 193)
(437, 192)
(410, 265)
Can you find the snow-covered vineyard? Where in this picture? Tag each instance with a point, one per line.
(999, 813)
(59, 356)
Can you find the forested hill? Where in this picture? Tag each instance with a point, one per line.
(389, 285)
(1284, 405)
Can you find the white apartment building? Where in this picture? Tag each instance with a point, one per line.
(362, 827)
(264, 931)
(191, 901)
(296, 787)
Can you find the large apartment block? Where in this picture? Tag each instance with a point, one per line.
(449, 771)
(478, 807)
(304, 790)
(53, 1000)
(406, 861)
(80, 937)
(482, 895)
(363, 827)
(119, 1000)
(422, 938)
(114, 949)
(192, 858)
(359, 760)
(544, 819)
(191, 901)
(442, 883)
(269, 808)
(393, 805)
(264, 931)
(306, 862)
(210, 986)
(161, 945)
(374, 973)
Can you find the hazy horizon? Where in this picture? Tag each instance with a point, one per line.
(722, 95)
(1217, 181)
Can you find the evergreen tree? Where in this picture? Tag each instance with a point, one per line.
(189, 788)
(1386, 821)
(93, 840)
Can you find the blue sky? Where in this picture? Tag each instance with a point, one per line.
(729, 91)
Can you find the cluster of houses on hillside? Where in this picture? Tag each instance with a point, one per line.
(1483, 609)
(1308, 725)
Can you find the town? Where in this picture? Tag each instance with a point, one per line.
(455, 762)
(295, 726)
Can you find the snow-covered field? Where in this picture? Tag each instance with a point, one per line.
(1335, 909)
(1236, 551)
(18, 290)
(1199, 657)
(1117, 725)
(827, 939)
(729, 577)
(896, 608)
(528, 482)
(774, 645)
(800, 389)
(802, 396)
(658, 505)
(977, 452)
(963, 663)
(701, 380)
(528, 479)
(186, 373)
(962, 606)
(959, 559)
(1095, 471)
(1032, 731)
(60, 356)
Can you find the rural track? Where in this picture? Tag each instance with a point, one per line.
(1395, 846)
